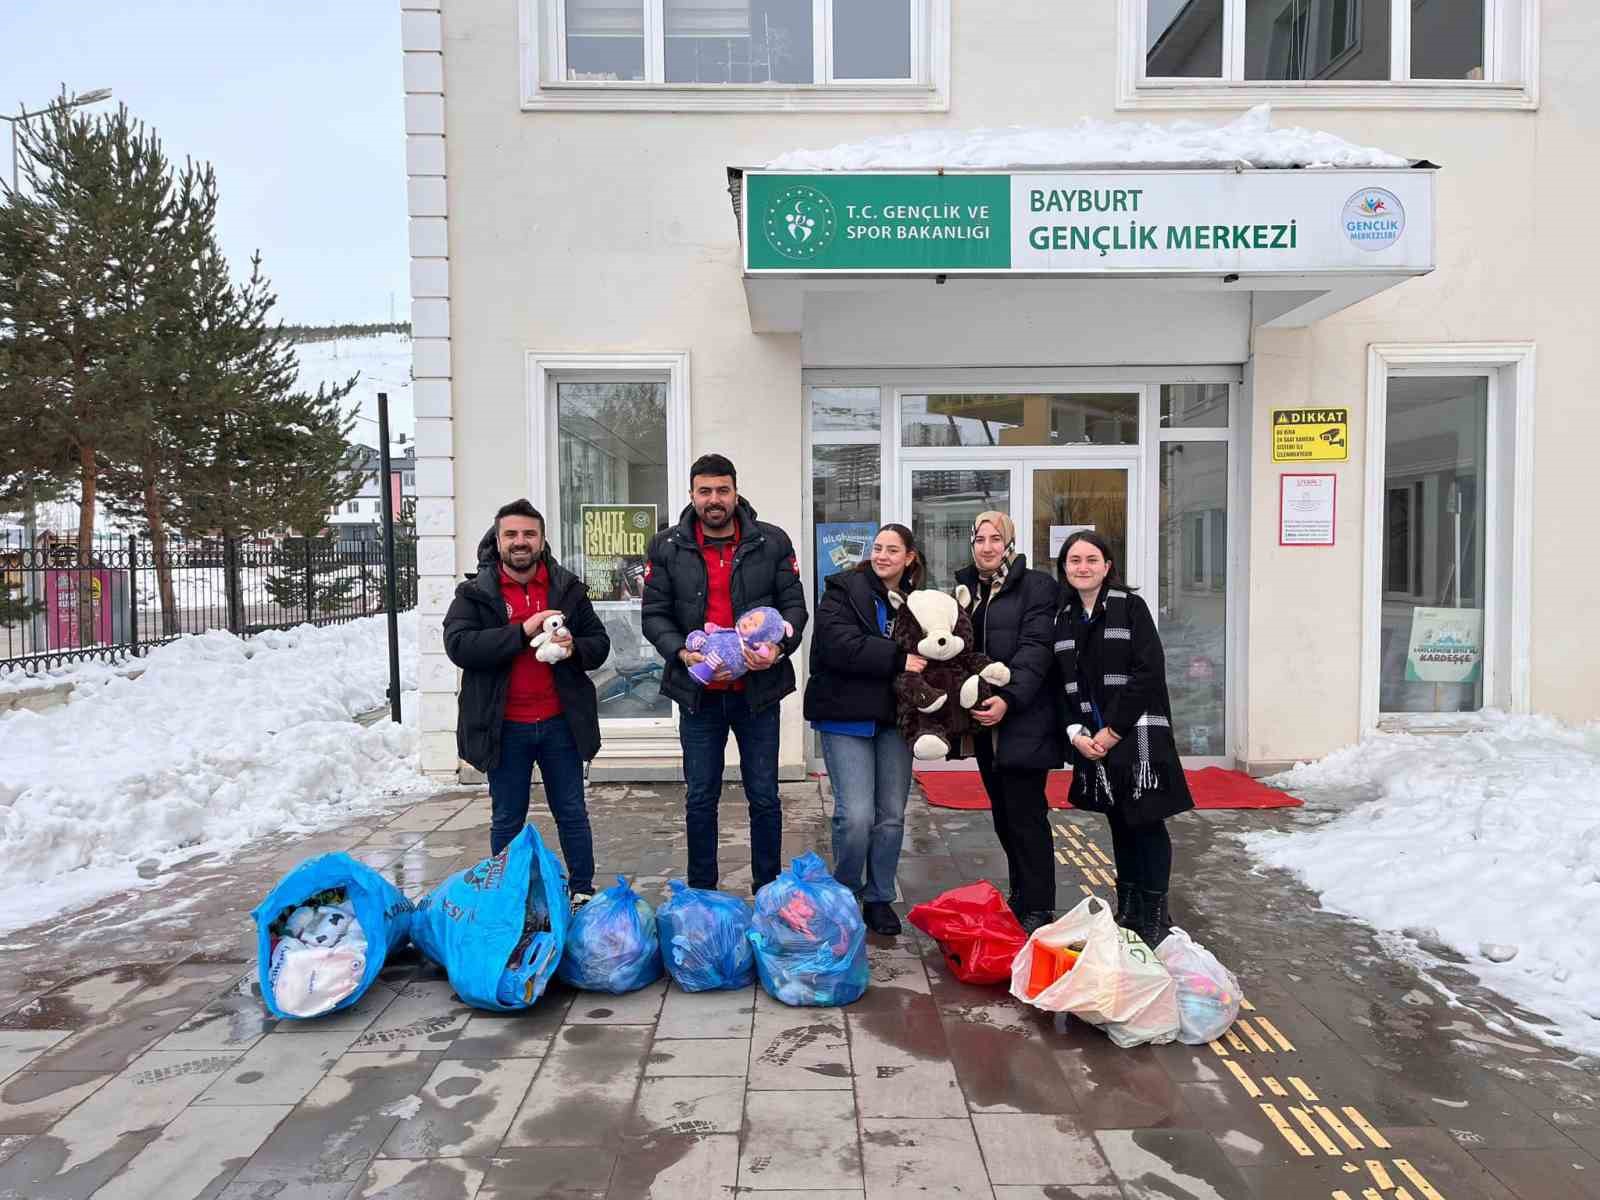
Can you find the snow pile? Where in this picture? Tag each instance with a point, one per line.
(220, 741)
(1249, 141)
(1489, 841)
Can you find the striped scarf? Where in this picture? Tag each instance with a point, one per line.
(1008, 530)
(1116, 650)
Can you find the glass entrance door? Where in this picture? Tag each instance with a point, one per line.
(941, 500)
(1067, 499)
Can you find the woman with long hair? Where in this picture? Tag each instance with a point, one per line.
(1018, 742)
(850, 701)
(1121, 749)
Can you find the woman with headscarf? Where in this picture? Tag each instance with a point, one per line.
(1018, 740)
(1124, 759)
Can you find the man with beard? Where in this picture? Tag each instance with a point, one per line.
(716, 564)
(515, 711)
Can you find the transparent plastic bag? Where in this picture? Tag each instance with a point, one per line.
(1209, 995)
(612, 945)
(809, 939)
(703, 939)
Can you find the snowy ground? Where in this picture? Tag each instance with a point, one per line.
(384, 365)
(1249, 139)
(1488, 842)
(219, 741)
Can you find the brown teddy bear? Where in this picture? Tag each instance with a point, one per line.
(933, 705)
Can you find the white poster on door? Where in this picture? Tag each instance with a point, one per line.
(1060, 533)
(1306, 509)
(1446, 645)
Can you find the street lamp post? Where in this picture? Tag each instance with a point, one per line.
(30, 509)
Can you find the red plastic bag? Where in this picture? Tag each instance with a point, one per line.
(976, 929)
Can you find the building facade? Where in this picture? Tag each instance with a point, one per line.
(1335, 455)
(358, 521)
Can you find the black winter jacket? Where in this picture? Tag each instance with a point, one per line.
(853, 666)
(764, 573)
(1018, 630)
(484, 644)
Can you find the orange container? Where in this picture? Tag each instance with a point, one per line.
(1050, 963)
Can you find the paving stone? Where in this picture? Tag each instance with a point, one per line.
(332, 1135)
(689, 1106)
(800, 1049)
(32, 1101)
(799, 1140)
(19, 1047)
(900, 1062)
(585, 1087)
(1001, 1065)
(196, 1154)
(84, 1149)
(422, 1179)
(1117, 1089)
(703, 1167)
(549, 1173)
(355, 1020)
(424, 1016)
(1039, 1149)
(903, 1157)
(722, 1014)
(1158, 1164)
(524, 1034)
(426, 817)
(632, 1008)
(80, 1002)
(235, 1020)
(279, 1069)
(1058, 1192)
(699, 1056)
(467, 1106)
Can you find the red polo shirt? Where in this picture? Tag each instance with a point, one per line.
(719, 556)
(532, 694)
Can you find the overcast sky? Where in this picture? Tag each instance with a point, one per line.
(298, 104)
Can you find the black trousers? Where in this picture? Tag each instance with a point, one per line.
(1143, 853)
(1022, 823)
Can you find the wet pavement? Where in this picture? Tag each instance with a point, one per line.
(136, 1059)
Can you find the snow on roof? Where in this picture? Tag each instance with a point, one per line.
(1249, 141)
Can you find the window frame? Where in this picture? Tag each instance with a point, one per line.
(542, 53)
(1511, 69)
(1505, 579)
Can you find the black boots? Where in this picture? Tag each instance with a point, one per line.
(1127, 905)
(1032, 921)
(1152, 922)
(880, 917)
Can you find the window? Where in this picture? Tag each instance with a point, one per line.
(762, 54)
(846, 476)
(1465, 53)
(1019, 419)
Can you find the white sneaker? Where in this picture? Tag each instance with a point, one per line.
(579, 899)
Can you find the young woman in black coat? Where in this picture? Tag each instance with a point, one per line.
(1123, 755)
(850, 701)
(1018, 743)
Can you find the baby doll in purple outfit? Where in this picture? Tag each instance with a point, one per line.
(761, 629)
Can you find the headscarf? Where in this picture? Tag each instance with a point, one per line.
(1008, 530)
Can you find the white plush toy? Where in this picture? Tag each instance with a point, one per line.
(545, 648)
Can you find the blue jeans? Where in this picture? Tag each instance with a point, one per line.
(704, 736)
(550, 745)
(870, 778)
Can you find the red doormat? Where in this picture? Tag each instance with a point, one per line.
(1211, 787)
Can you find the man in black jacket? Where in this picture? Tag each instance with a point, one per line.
(716, 564)
(515, 711)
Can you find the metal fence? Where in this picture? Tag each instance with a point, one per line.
(56, 610)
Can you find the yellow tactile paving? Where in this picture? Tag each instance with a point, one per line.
(1220, 1050)
(1272, 1032)
(1259, 1042)
(1061, 858)
(1380, 1175)
(1238, 1073)
(1353, 1115)
(1296, 1142)
(1342, 1131)
(1273, 1086)
(1417, 1181)
(1309, 1124)
(1236, 1043)
(1300, 1086)
(1100, 854)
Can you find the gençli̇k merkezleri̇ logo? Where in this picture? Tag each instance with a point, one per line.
(800, 222)
(1373, 219)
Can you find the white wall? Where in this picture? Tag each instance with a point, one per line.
(614, 232)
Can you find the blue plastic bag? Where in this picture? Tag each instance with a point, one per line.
(612, 946)
(384, 916)
(703, 940)
(810, 942)
(498, 928)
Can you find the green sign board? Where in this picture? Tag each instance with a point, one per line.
(878, 222)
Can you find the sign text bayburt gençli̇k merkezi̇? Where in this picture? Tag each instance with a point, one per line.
(1137, 235)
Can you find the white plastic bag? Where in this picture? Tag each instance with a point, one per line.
(1117, 983)
(1208, 993)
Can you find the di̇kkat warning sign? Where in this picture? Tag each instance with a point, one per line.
(1310, 434)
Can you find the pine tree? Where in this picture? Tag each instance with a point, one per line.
(14, 606)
